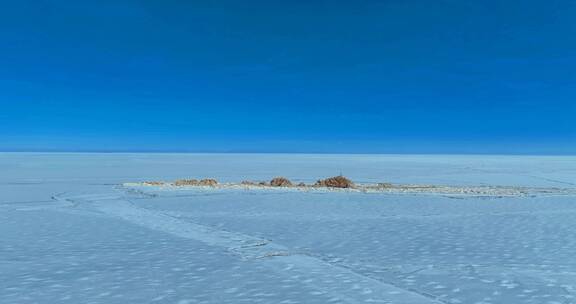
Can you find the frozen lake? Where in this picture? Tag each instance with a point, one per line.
(71, 234)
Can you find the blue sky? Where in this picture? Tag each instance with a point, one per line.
(289, 76)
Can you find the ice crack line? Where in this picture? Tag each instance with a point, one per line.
(552, 180)
(339, 282)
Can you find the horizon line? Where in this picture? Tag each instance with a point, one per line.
(272, 152)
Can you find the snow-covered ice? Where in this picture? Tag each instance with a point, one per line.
(71, 233)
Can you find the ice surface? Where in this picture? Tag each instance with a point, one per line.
(71, 234)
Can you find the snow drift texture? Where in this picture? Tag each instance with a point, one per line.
(70, 234)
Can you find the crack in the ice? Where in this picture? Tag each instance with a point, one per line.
(24, 202)
(395, 284)
(273, 255)
(552, 180)
(259, 244)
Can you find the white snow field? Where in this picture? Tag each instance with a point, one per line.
(71, 233)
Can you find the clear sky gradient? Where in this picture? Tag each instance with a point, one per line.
(289, 76)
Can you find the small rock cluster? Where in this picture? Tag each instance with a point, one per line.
(208, 182)
(186, 182)
(280, 182)
(335, 182)
(153, 183)
(194, 182)
(331, 182)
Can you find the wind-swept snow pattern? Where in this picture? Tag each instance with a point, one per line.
(311, 271)
(72, 233)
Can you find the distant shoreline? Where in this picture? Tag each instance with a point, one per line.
(456, 191)
(284, 153)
